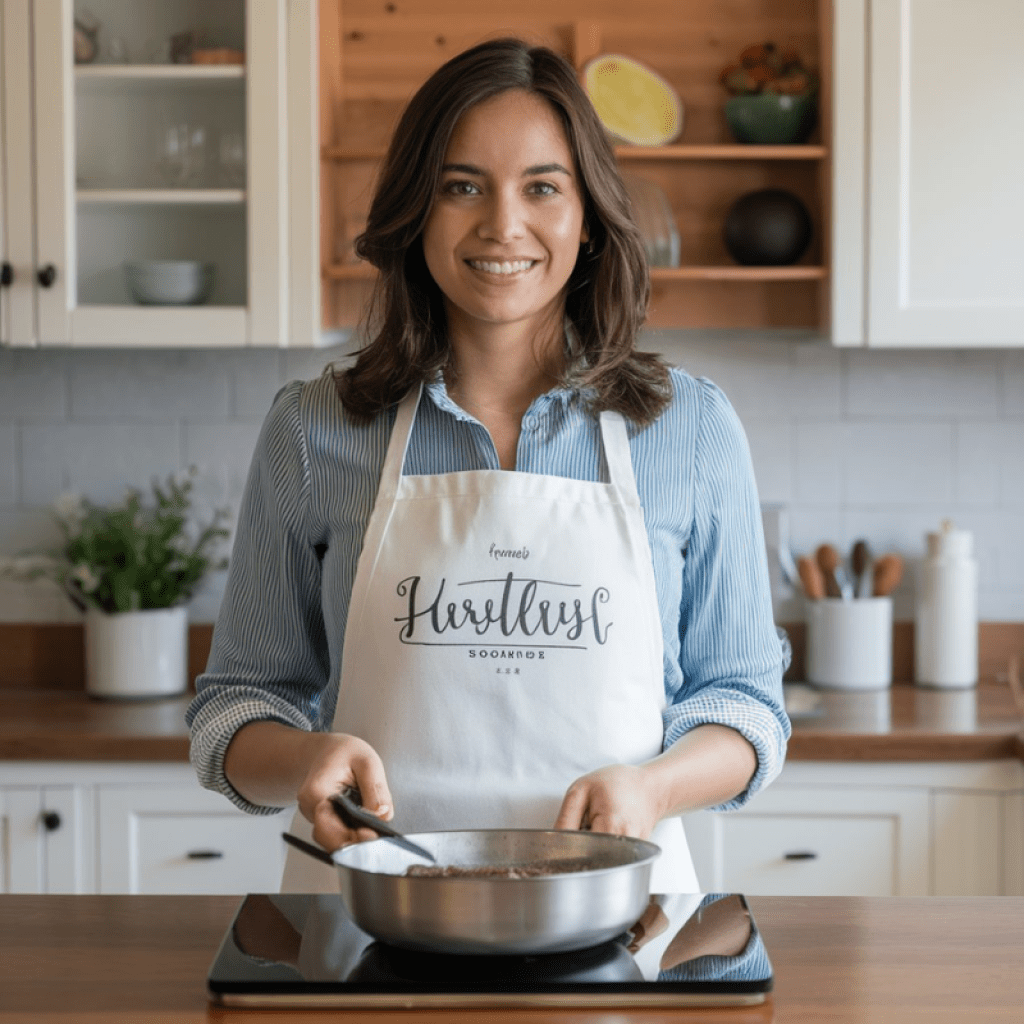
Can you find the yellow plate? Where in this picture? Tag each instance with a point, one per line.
(636, 105)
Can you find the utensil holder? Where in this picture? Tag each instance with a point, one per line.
(849, 643)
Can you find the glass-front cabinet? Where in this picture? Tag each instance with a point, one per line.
(145, 172)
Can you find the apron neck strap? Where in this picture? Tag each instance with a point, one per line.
(616, 454)
(394, 461)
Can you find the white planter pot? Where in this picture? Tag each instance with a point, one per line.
(136, 654)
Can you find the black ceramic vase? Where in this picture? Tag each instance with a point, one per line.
(769, 228)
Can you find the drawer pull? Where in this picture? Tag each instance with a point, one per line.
(51, 821)
(800, 855)
(204, 854)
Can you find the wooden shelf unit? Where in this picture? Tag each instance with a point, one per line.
(375, 53)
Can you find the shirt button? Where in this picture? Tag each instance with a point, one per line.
(530, 423)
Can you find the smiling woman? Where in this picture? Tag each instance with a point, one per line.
(502, 239)
(504, 571)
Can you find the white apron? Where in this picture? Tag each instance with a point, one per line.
(503, 639)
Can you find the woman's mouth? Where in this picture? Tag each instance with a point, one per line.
(503, 268)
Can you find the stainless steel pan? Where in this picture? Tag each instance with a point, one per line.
(549, 913)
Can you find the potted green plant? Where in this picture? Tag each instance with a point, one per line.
(773, 95)
(131, 567)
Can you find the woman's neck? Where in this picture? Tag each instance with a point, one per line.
(497, 373)
(505, 368)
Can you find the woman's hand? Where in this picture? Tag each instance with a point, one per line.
(619, 799)
(338, 761)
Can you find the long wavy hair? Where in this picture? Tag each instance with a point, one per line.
(606, 295)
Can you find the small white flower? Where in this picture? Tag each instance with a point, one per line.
(86, 578)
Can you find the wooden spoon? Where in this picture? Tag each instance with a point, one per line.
(812, 577)
(829, 561)
(862, 564)
(888, 573)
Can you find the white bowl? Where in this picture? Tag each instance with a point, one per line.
(169, 282)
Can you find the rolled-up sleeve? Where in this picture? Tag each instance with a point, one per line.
(269, 658)
(731, 655)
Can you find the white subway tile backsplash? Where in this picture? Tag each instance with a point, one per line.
(771, 450)
(139, 385)
(990, 463)
(8, 464)
(879, 444)
(28, 392)
(1012, 385)
(896, 462)
(820, 461)
(98, 460)
(929, 384)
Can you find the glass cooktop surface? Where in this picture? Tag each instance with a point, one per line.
(305, 951)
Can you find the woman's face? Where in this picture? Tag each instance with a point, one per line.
(502, 238)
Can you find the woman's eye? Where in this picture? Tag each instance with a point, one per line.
(543, 188)
(460, 188)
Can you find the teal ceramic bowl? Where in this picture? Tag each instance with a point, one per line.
(769, 119)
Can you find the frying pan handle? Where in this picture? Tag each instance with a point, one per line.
(314, 851)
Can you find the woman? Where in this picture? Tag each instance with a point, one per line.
(505, 570)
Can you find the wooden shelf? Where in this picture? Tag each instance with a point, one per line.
(161, 196)
(364, 272)
(344, 154)
(738, 274)
(721, 152)
(158, 72)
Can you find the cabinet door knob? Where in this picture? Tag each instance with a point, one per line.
(800, 855)
(47, 275)
(204, 854)
(6, 274)
(51, 820)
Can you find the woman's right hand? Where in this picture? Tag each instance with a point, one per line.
(338, 761)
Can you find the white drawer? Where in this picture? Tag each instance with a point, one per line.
(789, 855)
(169, 839)
(827, 842)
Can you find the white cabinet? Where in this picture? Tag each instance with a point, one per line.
(134, 156)
(870, 830)
(927, 149)
(130, 828)
(44, 839)
(172, 839)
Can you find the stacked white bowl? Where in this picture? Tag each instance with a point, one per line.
(169, 282)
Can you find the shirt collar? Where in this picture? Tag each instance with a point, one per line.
(437, 391)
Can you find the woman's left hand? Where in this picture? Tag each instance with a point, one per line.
(617, 799)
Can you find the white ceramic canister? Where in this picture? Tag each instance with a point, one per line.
(946, 616)
(136, 654)
(849, 643)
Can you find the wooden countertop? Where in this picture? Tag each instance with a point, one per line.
(905, 723)
(141, 959)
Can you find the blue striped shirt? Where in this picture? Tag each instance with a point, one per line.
(277, 644)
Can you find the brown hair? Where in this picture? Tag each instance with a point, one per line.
(607, 293)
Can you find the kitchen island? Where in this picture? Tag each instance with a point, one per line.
(141, 959)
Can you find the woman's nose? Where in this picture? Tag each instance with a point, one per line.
(502, 218)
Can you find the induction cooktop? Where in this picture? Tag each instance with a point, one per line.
(305, 951)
